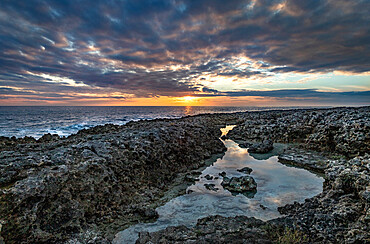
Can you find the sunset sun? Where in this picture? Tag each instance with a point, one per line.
(189, 99)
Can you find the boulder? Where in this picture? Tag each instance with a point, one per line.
(210, 187)
(208, 177)
(246, 170)
(239, 184)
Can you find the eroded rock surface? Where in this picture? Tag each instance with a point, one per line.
(341, 213)
(213, 229)
(93, 184)
(239, 184)
(338, 215)
(246, 170)
(263, 147)
(341, 130)
(311, 160)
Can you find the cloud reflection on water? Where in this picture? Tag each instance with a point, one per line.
(277, 185)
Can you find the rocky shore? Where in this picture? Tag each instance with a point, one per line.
(330, 141)
(93, 184)
(88, 186)
(341, 130)
(338, 215)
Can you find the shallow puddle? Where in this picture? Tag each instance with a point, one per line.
(277, 185)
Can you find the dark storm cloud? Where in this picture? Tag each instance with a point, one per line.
(131, 46)
(141, 83)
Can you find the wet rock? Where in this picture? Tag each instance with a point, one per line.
(340, 213)
(305, 159)
(264, 147)
(245, 144)
(239, 184)
(245, 170)
(213, 229)
(211, 187)
(48, 137)
(208, 177)
(192, 176)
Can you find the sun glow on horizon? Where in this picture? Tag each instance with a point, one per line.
(189, 99)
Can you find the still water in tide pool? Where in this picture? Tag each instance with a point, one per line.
(277, 185)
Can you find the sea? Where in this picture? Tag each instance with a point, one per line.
(35, 121)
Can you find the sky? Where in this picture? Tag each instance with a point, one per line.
(195, 52)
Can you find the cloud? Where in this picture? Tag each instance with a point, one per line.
(133, 47)
(301, 93)
(292, 95)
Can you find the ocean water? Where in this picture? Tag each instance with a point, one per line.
(37, 121)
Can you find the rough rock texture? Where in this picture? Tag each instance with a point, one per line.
(89, 186)
(311, 160)
(214, 229)
(93, 184)
(341, 130)
(341, 213)
(239, 184)
(245, 170)
(338, 215)
(218, 229)
(263, 147)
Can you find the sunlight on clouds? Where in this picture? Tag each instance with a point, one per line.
(348, 73)
(356, 88)
(58, 79)
(20, 89)
(177, 54)
(251, 5)
(335, 81)
(328, 89)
